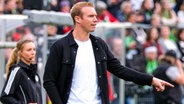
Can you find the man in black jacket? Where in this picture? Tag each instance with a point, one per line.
(75, 71)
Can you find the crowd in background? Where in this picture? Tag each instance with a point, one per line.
(143, 46)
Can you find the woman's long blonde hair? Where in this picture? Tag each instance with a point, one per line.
(14, 57)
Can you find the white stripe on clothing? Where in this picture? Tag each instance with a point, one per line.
(11, 79)
(23, 94)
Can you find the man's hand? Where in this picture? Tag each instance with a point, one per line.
(160, 84)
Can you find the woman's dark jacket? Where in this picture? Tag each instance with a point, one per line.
(22, 86)
(169, 95)
(60, 66)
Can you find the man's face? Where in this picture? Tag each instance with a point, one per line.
(151, 56)
(165, 31)
(88, 20)
(117, 47)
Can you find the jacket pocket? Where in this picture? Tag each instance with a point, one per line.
(67, 69)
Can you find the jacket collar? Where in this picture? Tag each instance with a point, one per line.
(30, 69)
(71, 38)
(23, 65)
(72, 41)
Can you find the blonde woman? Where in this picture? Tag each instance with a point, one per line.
(23, 83)
(168, 16)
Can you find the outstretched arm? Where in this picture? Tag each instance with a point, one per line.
(160, 84)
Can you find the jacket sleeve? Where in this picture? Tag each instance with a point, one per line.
(115, 67)
(52, 69)
(11, 84)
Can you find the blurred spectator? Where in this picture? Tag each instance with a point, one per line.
(165, 42)
(10, 7)
(130, 44)
(18, 34)
(147, 62)
(51, 30)
(21, 32)
(146, 11)
(168, 15)
(180, 44)
(134, 49)
(117, 47)
(31, 37)
(113, 7)
(134, 17)
(140, 35)
(53, 5)
(152, 40)
(170, 69)
(181, 14)
(134, 39)
(28, 34)
(137, 32)
(157, 8)
(131, 17)
(124, 11)
(103, 15)
(136, 4)
(64, 8)
(172, 2)
(151, 56)
(20, 6)
(27, 31)
(155, 21)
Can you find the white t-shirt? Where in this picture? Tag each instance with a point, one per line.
(172, 73)
(84, 89)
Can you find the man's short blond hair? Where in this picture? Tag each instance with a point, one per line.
(76, 9)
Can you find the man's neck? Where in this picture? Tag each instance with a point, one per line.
(80, 35)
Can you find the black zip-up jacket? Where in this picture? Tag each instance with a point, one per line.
(23, 85)
(60, 66)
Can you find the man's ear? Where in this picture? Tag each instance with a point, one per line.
(77, 19)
